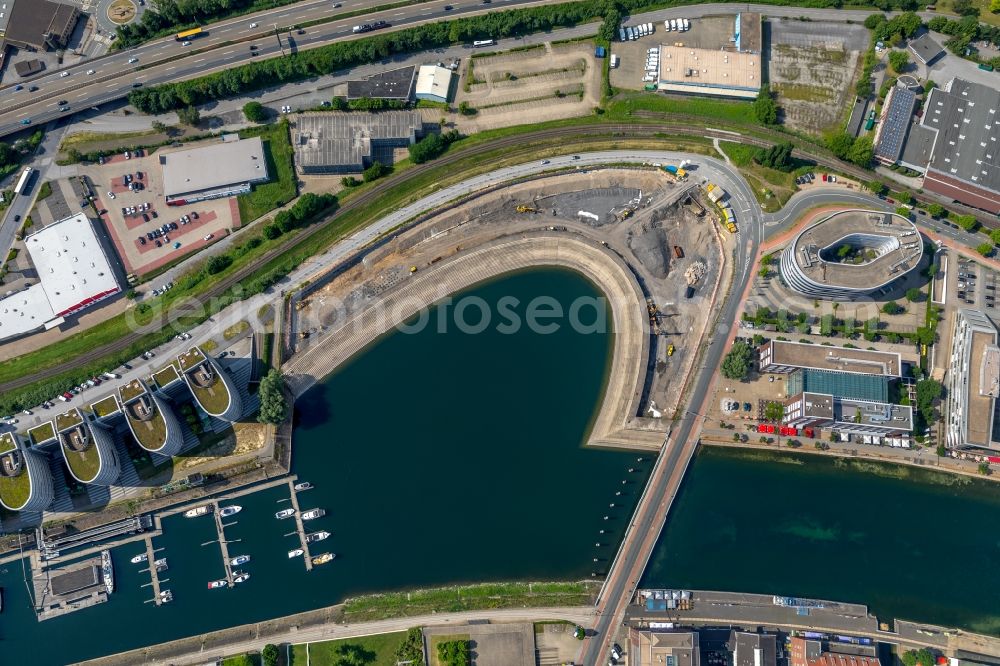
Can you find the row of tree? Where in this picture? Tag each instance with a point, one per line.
(307, 209)
(432, 146)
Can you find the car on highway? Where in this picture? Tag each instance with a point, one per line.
(545, 162)
(132, 60)
(26, 121)
(17, 218)
(186, 43)
(64, 75)
(91, 71)
(32, 88)
(18, 87)
(253, 25)
(337, 5)
(253, 47)
(137, 84)
(64, 108)
(448, 8)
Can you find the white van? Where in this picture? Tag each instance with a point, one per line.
(687, 25)
(673, 24)
(666, 26)
(649, 78)
(649, 28)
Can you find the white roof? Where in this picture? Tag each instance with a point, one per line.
(73, 272)
(24, 311)
(433, 80)
(213, 166)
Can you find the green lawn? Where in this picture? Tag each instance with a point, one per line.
(43, 432)
(782, 185)
(214, 399)
(108, 405)
(283, 186)
(15, 490)
(151, 434)
(380, 650)
(626, 107)
(84, 464)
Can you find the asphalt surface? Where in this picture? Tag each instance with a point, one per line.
(167, 60)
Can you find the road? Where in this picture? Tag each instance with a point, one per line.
(227, 44)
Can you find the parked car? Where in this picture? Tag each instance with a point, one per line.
(142, 240)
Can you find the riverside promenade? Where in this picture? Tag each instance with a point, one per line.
(617, 424)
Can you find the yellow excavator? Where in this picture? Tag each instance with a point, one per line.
(527, 209)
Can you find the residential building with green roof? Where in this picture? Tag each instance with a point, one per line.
(150, 419)
(87, 448)
(212, 387)
(25, 480)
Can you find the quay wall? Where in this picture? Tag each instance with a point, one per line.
(616, 423)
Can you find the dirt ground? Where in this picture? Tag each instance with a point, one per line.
(812, 69)
(215, 217)
(246, 437)
(546, 83)
(555, 643)
(644, 238)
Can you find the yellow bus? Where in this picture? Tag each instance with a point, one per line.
(189, 34)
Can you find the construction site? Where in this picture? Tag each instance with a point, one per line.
(662, 226)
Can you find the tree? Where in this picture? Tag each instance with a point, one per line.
(898, 60)
(985, 249)
(928, 390)
(765, 110)
(840, 144)
(995, 236)
(914, 294)
(160, 127)
(935, 210)
(454, 653)
(272, 231)
(862, 151)
(967, 222)
(774, 411)
(893, 308)
(737, 362)
(984, 469)
(338, 104)
(412, 648)
(255, 112)
(941, 451)
(189, 116)
(269, 655)
(965, 8)
(273, 406)
(876, 187)
(218, 263)
(874, 21)
(374, 172)
(466, 110)
(778, 156)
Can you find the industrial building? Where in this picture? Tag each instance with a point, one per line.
(894, 124)
(874, 388)
(87, 448)
(734, 70)
(973, 382)
(889, 244)
(965, 158)
(657, 647)
(25, 479)
(340, 143)
(40, 24)
(222, 169)
(73, 273)
(925, 49)
(782, 356)
(847, 416)
(394, 84)
(434, 83)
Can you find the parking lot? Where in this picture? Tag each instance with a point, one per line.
(135, 218)
(972, 285)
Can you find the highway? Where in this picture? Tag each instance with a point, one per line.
(227, 44)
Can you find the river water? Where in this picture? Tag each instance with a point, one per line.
(439, 458)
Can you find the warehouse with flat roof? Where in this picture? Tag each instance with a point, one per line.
(222, 169)
(709, 72)
(40, 24)
(433, 83)
(73, 273)
(339, 143)
(926, 49)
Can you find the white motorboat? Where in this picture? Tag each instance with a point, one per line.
(230, 510)
(312, 514)
(295, 552)
(216, 584)
(304, 485)
(317, 536)
(138, 559)
(161, 564)
(284, 513)
(194, 513)
(238, 560)
(166, 596)
(241, 577)
(324, 558)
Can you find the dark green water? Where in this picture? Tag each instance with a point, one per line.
(909, 543)
(439, 458)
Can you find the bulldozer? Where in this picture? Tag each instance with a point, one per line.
(522, 208)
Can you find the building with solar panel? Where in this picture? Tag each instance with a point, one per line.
(894, 124)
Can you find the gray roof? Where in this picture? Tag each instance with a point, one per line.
(967, 147)
(746, 647)
(895, 120)
(31, 20)
(394, 84)
(212, 166)
(345, 138)
(925, 48)
(919, 145)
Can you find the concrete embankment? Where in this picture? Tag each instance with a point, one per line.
(616, 425)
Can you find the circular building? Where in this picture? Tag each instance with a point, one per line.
(851, 253)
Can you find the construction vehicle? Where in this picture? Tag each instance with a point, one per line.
(654, 316)
(678, 251)
(670, 349)
(731, 227)
(676, 172)
(413, 269)
(714, 192)
(527, 209)
(625, 214)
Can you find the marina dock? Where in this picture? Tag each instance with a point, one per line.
(223, 544)
(299, 525)
(67, 589)
(154, 575)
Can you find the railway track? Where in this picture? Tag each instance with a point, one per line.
(521, 143)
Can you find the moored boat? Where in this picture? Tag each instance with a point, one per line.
(107, 571)
(230, 510)
(195, 512)
(141, 557)
(166, 596)
(317, 536)
(241, 577)
(161, 564)
(216, 584)
(284, 513)
(238, 560)
(324, 558)
(312, 514)
(304, 485)
(295, 552)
